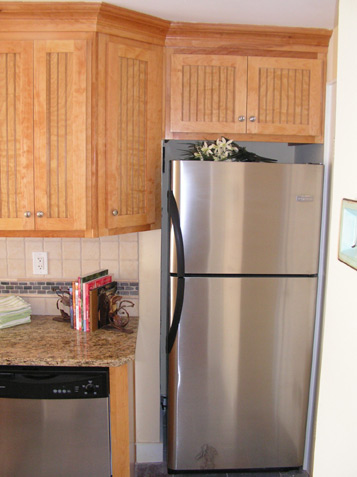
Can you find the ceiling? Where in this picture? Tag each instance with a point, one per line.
(294, 13)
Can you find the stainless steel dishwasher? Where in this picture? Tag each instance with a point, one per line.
(54, 421)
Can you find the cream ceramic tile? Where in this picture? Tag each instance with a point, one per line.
(3, 267)
(89, 266)
(109, 250)
(109, 238)
(38, 305)
(71, 269)
(29, 268)
(129, 237)
(51, 306)
(128, 251)
(113, 267)
(54, 269)
(71, 249)
(33, 245)
(3, 249)
(16, 248)
(129, 269)
(54, 248)
(90, 249)
(16, 268)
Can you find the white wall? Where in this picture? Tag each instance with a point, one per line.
(335, 445)
(147, 376)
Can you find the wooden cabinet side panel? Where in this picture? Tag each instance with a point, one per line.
(60, 134)
(284, 96)
(208, 93)
(16, 135)
(119, 421)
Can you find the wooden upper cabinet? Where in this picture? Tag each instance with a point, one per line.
(81, 107)
(60, 134)
(81, 88)
(133, 130)
(285, 96)
(239, 95)
(208, 93)
(43, 136)
(16, 135)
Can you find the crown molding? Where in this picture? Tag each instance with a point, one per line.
(246, 36)
(81, 17)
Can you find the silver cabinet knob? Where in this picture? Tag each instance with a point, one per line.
(241, 119)
(252, 119)
(115, 212)
(27, 214)
(39, 214)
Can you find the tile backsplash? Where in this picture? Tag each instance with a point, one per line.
(68, 258)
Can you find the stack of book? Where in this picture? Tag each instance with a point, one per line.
(14, 311)
(91, 299)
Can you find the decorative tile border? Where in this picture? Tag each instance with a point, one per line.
(126, 288)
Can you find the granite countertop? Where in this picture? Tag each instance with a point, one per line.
(47, 342)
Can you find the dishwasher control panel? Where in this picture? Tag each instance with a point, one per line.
(53, 383)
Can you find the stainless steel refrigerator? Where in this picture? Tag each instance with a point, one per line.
(241, 297)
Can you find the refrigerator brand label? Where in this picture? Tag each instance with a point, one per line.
(305, 198)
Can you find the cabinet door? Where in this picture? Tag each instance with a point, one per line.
(60, 135)
(16, 135)
(284, 96)
(208, 93)
(131, 112)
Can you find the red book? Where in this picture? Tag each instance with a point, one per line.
(81, 281)
(77, 320)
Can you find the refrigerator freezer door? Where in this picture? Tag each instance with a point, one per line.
(239, 373)
(248, 218)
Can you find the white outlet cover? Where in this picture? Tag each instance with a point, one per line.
(40, 263)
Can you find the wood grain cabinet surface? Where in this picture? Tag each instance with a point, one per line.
(80, 119)
(82, 113)
(16, 136)
(132, 82)
(208, 93)
(249, 83)
(285, 96)
(60, 100)
(228, 94)
(43, 136)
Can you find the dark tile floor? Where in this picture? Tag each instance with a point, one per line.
(160, 470)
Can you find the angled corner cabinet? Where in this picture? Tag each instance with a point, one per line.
(80, 119)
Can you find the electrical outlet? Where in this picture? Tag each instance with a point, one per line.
(39, 263)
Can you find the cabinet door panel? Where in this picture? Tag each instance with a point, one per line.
(129, 172)
(60, 134)
(16, 143)
(284, 96)
(208, 93)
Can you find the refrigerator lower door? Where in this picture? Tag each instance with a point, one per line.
(239, 373)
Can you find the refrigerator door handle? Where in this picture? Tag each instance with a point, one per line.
(175, 219)
(177, 314)
(180, 255)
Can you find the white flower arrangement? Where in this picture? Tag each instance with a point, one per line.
(223, 149)
(220, 150)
